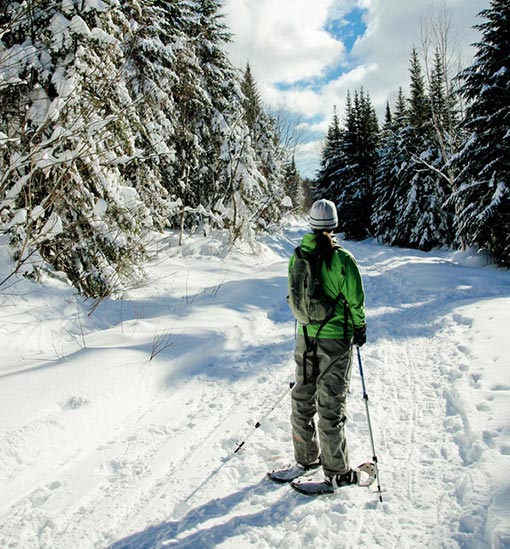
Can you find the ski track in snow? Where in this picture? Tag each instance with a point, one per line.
(102, 447)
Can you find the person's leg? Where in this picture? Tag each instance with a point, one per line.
(304, 433)
(332, 390)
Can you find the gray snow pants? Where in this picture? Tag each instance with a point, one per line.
(324, 394)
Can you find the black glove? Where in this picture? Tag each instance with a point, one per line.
(359, 337)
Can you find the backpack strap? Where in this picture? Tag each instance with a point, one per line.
(310, 347)
(311, 343)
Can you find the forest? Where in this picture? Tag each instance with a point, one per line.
(435, 173)
(118, 121)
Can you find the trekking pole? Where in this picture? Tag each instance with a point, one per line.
(259, 423)
(240, 445)
(365, 398)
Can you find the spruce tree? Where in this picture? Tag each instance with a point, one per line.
(293, 186)
(251, 102)
(332, 161)
(419, 195)
(202, 68)
(355, 179)
(261, 181)
(419, 103)
(483, 197)
(441, 102)
(388, 121)
(393, 158)
(117, 120)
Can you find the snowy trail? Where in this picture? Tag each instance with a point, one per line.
(102, 446)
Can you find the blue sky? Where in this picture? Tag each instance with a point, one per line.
(306, 54)
(348, 27)
(345, 30)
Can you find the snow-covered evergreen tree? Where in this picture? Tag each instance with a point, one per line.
(419, 101)
(423, 221)
(388, 120)
(117, 120)
(252, 104)
(410, 190)
(483, 197)
(393, 158)
(348, 165)
(355, 179)
(331, 161)
(262, 185)
(68, 187)
(206, 82)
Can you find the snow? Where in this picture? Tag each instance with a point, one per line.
(119, 419)
(100, 207)
(64, 86)
(95, 5)
(286, 202)
(78, 26)
(52, 227)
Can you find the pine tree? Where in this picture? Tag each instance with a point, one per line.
(400, 118)
(149, 75)
(262, 183)
(419, 103)
(393, 158)
(348, 164)
(251, 101)
(226, 169)
(355, 179)
(118, 120)
(418, 194)
(483, 198)
(442, 107)
(332, 160)
(388, 121)
(202, 68)
(293, 186)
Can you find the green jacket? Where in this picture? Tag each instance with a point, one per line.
(343, 276)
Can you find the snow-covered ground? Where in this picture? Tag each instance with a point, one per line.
(118, 428)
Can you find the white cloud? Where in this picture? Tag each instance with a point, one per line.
(308, 156)
(285, 41)
(394, 27)
(302, 100)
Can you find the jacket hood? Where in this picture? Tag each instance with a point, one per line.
(309, 242)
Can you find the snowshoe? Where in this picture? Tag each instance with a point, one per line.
(367, 473)
(311, 487)
(363, 475)
(291, 472)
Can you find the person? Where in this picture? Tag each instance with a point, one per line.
(323, 359)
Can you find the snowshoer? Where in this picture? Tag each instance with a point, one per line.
(323, 358)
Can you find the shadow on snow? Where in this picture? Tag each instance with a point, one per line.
(183, 532)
